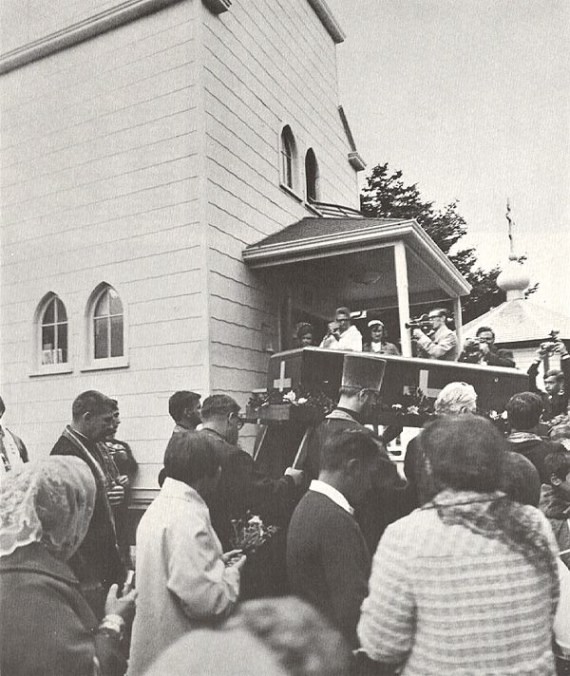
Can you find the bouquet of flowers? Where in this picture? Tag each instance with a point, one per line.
(250, 533)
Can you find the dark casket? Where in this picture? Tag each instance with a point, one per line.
(408, 391)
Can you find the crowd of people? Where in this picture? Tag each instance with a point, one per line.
(458, 565)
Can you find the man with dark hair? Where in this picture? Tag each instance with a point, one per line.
(483, 350)
(328, 562)
(183, 578)
(242, 488)
(184, 409)
(359, 395)
(97, 563)
(342, 334)
(523, 412)
(13, 452)
(442, 341)
(556, 397)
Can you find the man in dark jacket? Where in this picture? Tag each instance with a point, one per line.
(523, 411)
(556, 381)
(97, 563)
(484, 351)
(328, 562)
(359, 393)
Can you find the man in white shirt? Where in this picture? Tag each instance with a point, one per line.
(342, 334)
(328, 562)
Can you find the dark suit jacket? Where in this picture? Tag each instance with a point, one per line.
(243, 488)
(328, 563)
(98, 559)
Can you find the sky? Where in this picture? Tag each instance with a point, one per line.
(471, 100)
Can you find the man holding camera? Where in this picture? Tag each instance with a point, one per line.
(342, 334)
(555, 399)
(482, 350)
(442, 341)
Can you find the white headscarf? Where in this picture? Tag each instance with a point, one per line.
(50, 501)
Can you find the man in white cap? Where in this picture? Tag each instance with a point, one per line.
(378, 344)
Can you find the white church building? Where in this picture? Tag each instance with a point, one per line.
(150, 151)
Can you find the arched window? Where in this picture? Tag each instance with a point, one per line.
(108, 325)
(288, 157)
(53, 331)
(311, 176)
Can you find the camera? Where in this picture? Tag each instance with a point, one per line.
(423, 322)
(551, 343)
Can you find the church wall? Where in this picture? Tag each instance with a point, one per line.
(100, 172)
(266, 64)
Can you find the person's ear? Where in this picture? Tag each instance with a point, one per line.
(555, 480)
(352, 466)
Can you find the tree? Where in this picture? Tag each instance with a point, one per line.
(386, 196)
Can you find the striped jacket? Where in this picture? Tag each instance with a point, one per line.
(445, 600)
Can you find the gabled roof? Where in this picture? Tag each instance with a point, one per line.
(323, 11)
(316, 238)
(521, 321)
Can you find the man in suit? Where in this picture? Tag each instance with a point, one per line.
(328, 562)
(441, 343)
(359, 396)
(97, 563)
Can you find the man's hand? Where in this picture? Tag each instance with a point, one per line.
(116, 495)
(484, 348)
(235, 558)
(560, 348)
(123, 606)
(417, 334)
(296, 474)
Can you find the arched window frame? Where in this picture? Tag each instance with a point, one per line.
(312, 192)
(289, 169)
(58, 357)
(109, 361)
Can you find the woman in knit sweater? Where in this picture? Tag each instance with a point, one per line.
(468, 583)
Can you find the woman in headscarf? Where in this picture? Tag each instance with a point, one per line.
(468, 583)
(46, 626)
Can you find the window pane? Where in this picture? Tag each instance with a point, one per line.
(101, 338)
(102, 307)
(115, 305)
(62, 343)
(116, 336)
(61, 314)
(48, 338)
(48, 317)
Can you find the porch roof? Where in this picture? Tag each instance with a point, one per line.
(313, 238)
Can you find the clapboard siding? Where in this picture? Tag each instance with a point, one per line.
(100, 171)
(266, 64)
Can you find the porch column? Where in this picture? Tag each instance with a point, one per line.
(457, 313)
(401, 267)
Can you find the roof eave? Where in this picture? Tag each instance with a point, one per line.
(322, 246)
(323, 11)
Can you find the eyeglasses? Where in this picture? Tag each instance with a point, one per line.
(240, 420)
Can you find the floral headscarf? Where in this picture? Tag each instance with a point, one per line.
(49, 501)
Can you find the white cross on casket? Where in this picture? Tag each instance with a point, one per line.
(429, 392)
(281, 383)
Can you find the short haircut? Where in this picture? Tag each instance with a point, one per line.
(219, 404)
(180, 401)
(465, 452)
(555, 373)
(440, 311)
(190, 457)
(93, 402)
(524, 410)
(557, 463)
(485, 329)
(520, 479)
(342, 310)
(456, 398)
(347, 445)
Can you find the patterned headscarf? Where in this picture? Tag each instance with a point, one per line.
(49, 501)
